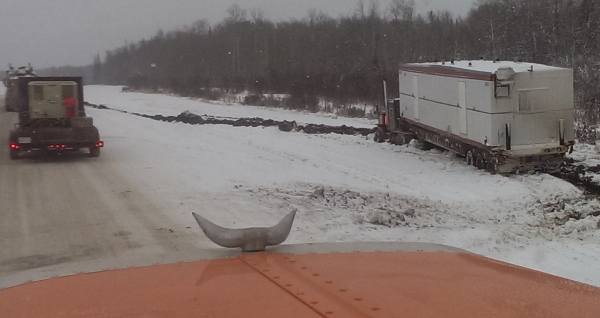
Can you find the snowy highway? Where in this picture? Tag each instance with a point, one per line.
(134, 202)
(72, 209)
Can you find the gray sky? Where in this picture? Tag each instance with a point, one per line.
(70, 32)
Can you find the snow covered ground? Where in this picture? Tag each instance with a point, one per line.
(346, 188)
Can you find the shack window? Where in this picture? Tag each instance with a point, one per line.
(502, 90)
(38, 92)
(533, 99)
(68, 91)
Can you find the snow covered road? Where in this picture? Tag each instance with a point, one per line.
(152, 175)
(72, 209)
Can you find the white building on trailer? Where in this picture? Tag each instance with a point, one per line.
(521, 110)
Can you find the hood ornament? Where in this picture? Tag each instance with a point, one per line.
(251, 239)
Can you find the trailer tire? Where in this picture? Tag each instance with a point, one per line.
(492, 166)
(404, 138)
(480, 162)
(398, 139)
(469, 159)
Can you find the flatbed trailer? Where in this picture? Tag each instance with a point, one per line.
(52, 117)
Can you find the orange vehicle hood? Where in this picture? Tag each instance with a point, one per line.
(281, 283)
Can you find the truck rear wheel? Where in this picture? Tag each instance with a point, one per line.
(94, 151)
(14, 154)
(379, 135)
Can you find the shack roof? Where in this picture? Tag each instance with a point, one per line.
(478, 69)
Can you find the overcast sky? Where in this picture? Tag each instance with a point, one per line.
(70, 32)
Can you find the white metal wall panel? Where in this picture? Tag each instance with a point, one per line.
(442, 117)
(439, 104)
(480, 95)
(439, 89)
(462, 103)
(479, 127)
(416, 96)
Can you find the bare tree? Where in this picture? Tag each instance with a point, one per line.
(257, 15)
(401, 9)
(236, 13)
(359, 10)
(198, 27)
(373, 9)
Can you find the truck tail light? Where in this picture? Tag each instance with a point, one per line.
(99, 144)
(14, 146)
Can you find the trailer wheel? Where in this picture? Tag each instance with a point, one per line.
(480, 162)
(469, 158)
(401, 138)
(492, 166)
(424, 145)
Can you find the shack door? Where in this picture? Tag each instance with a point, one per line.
(462, 104)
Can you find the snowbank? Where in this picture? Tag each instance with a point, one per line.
(346, 188)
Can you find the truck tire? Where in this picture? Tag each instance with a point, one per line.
(379, 135)
(94, 151)
(14, 154)
(44, 154)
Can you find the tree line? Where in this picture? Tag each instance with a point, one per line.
(345, 59)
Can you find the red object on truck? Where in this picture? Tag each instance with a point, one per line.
(70, 104)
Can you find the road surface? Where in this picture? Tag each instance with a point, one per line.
(77, 209)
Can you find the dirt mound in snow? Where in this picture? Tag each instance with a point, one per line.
(193, 119)
(574, 218)
(373, 207)
(582, 176)
(188, 117)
